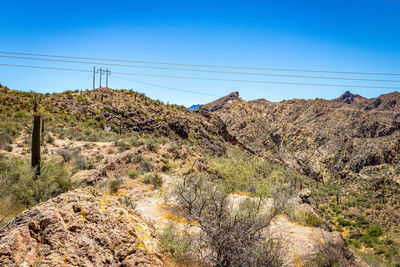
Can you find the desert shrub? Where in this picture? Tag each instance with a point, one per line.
(50, 139)
(228, 237)
(88, 145)
(343, 222)
(89, 133)
(65, 154)
(243, 172)
(154, 179)
(369, 240)
(374, 230)
(361, 222)
(308, 218)
(135, 142)
(134, 173)
(328, 253)
(99, 157)
(115, 185)
(152, 147)
(127, 201)
(122, 145)
(138, 158)
(80, 161)
(8, 129)
(18, 182)
(129, 157)
(174, 244)
(144, 164)
(90, 164)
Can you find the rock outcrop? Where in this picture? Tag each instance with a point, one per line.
(79, 228)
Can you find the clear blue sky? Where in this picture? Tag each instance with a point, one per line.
(362, 35)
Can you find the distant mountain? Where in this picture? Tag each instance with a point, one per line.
(194, 107)
(350, 98)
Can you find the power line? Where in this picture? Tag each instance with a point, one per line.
(40, 67)
(166, 87)
(204, 65)
(203, 70)
(255, 81)
(214, 79)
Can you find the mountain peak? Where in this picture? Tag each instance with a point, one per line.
(220, 103)
(348, 98)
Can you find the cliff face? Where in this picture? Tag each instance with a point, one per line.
(321, 138)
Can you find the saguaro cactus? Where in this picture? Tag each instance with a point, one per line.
(35, 160)
(42, 131)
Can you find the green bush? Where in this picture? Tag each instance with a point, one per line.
(115, 185)
(18, 183)
(343, 222)
(308, 218)
(90, 164)
(374, 230)
(122, 145)
(50, 139)
(65, 154)
(154, 179)
(369, 240)
(243, 172)
(152, 147)
(134, 173)
(171, 243)
(361, 222)
(145, 164)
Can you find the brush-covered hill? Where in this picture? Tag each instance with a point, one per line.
(97, 114)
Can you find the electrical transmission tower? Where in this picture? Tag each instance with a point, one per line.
(101, 72)
(107, 72)
(94, 77)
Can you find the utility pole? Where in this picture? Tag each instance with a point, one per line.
(94, 77)
(107, 73)
(101, 72)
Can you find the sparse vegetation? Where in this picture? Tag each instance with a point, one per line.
(21, 190)
(134, 173)
(154, 179)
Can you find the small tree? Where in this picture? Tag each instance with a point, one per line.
(227, 236)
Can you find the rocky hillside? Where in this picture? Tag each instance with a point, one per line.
(83, 114)
(114, 162)
(320, 138)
